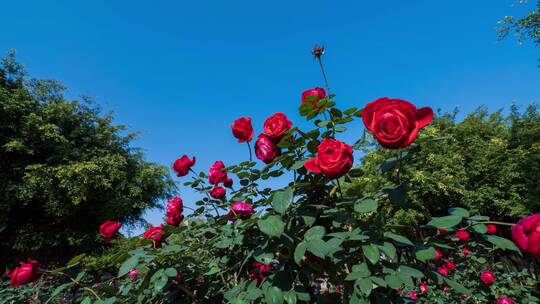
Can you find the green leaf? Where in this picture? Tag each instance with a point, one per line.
(282, 200)
(211, 271)
(161, 283)
(298, 164)
(389, 250)
(459, 211)
(379, 281)
(272, 226)
(172, 248)
(290, 297)
(76, 259)
(502, 243)
(456, 286)
(128, 264)
(86, 300)
(59, 289)
(254, 293)
(299, 252)
(425, 254)
(171, 272)
(393, 281)
(413, 272)
(315, 232)
(480, 228)
(398, 238)
(365, 285)
(445, 221)
(366, 205)
(358, 271)
(371, 252)
(274, 295)
(317, 247)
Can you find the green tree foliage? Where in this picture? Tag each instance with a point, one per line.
(64, 168)
(487, 163)
(525, 27)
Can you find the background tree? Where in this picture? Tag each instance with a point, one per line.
(525, 27)
(64, 169)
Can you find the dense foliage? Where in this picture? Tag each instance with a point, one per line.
(525, 27)
(64, 169)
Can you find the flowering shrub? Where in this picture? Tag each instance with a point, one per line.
(308, 241)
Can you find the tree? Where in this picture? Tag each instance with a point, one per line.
(525, 27)
(64, 169)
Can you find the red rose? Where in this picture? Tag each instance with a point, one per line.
(260, 271)
(218, 192)
(108, 229)
(443, 271)
(265, 149)
(413, 295)
(334, 159)
(155, 234)
(24, 274)
(450, 265)
(466, 251)
(242, 129)
(217, 173)
(423, 287)
(445, 288)
(505, 300)
(314, 95)
(491, 229)
(183, 165)
(526, 235)
(462, 235)
(438, 254)
(276, 126)
(175, 208)
(228, 183)
(487, 277)
(395, 122)
(240, 210)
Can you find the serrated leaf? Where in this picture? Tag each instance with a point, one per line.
(299, 252)
(502, 243)
(425, 254)
(367, 205)
(315, 232)
(371, 252)
(398, 238)
(480, 228)
(128, 264)
(273, 295)
(389, 250)
(365, 285)
(445, 221)
(413, 272)
(456, 286)
(393, 281)
(282, 200)
(272, 226)
(459, 211)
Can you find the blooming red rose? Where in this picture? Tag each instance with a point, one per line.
(443, 270)
(182, 165)
(438, 254)
(491, 229)
(218, 192)
(526, 235)
(487, 277)
(240, 210)
(108, 229)
(242, 129)
(133, 273)
(217, 173)
(265, 149)
(175, 208)
(155, 234)
(334, 159)
(450, 265)
(423, 287)
(313, 96)
(276, 126)
(24, 274)
(505, 300)
(466, 251)
(260, 271)
(462, 235)
(413, 295)
(395, 122)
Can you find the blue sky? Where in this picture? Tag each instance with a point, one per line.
(181, 71)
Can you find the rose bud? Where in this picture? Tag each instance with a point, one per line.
(423, 287)
(228, 183)
(465, 251)
(442, 271)
(276, 126)
(334, 159)
(265, 149)
(175, 208)
(155, 234)
(182, 165)
(24, 274)
(491, 229)
(450, 265)
(464, 296)
(438, 254)
(313, 96)
(526, 235)
(445, 288)
(442, 230)
(218, 192)
(133, 274)
(317, 51)
(242, 129)
(395, 123)
(413, 295)
(217, 173)
(505, 300)
(240, 210)
(462, 235)
(179, 278)
(108, 229)
(487, 277)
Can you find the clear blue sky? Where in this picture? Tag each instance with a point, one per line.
(181, 71)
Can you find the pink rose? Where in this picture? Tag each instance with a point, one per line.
(108, 229)
(242, 129)
(133, 274)
(423, 287)
(175, 208)
(413, 295)
(505, 300)
(265, 149)
(218, 192)
(240, 210)
(183, 165)
(443, 271)
(526, 235)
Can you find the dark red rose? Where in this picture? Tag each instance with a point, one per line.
(155, 234)
(491, 229)
(228, 183)
(313, 96)
(442, 230)
(526, 235)
(395, 122)
(217, 173)
(24, 274)
(438, 254)
(450, 265)
(260, 271)
(218, 192)
(334, 159)
(487, 277)
(505, 300)
(240, 210)
(265, 149)
(108, 229)
(242, 129)
(317, 51)
(175, 208)
(462, 235)
(276, 126)
(182, 165)
(466, 251)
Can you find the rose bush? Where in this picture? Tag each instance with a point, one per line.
(309, 241)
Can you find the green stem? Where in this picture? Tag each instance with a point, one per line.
(493, 222)
(250, 154)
